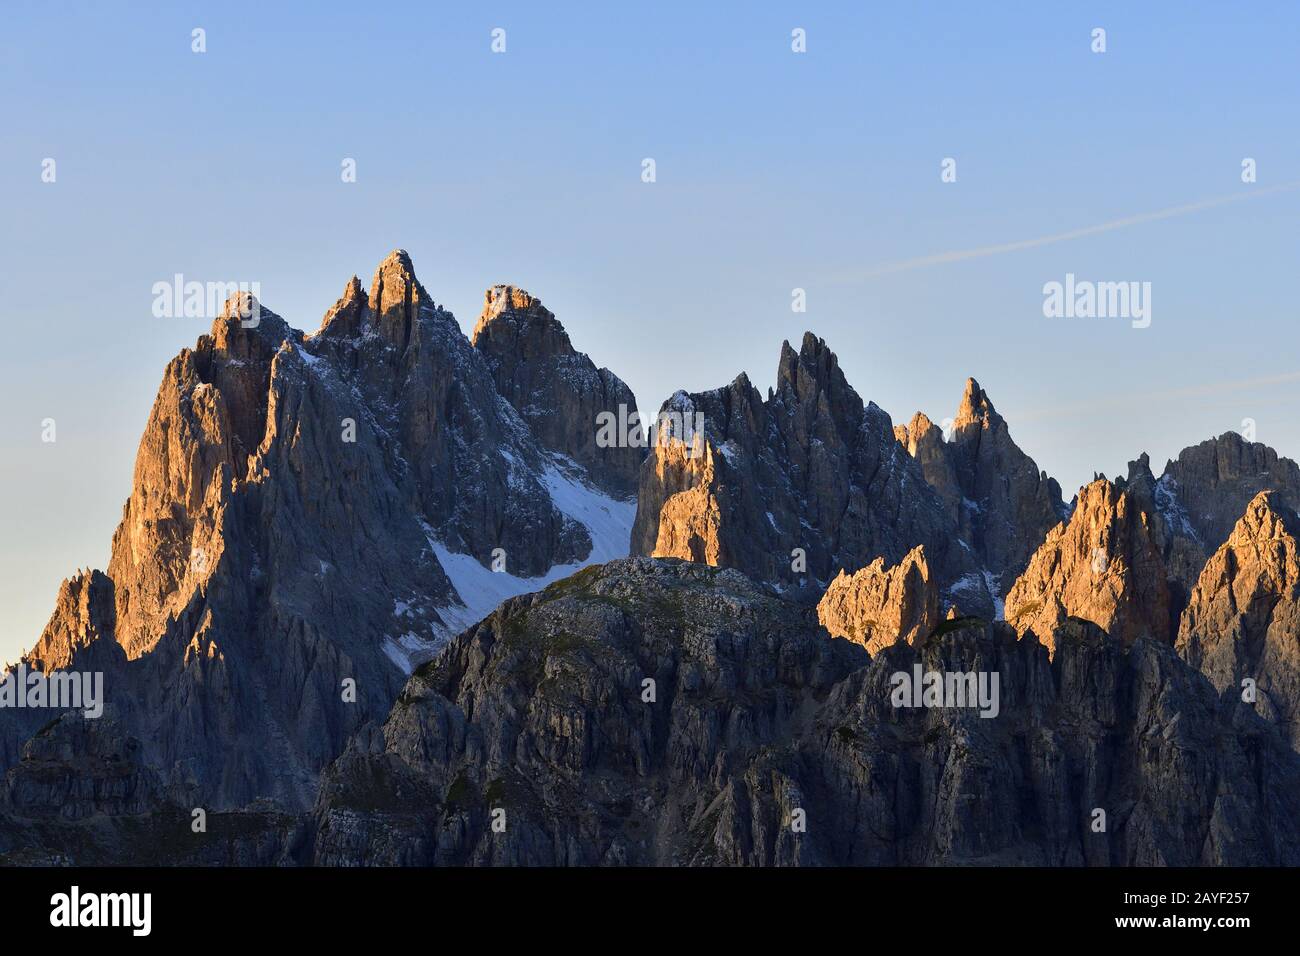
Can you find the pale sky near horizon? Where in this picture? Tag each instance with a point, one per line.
(775, 170)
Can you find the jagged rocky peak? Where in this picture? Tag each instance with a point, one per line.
(577, 410)
(390, 310)
(206, 425)
(1001, 503)
(792, 488)
(245, 584)
(920, 429)
(925, 441)
(346, 318)
(811, 382)
(877, 606)
(1102, 565)
(1180, 545)
(1243, 619)
(975, 408)
(83, 614)
(395, 293)
(522, 310)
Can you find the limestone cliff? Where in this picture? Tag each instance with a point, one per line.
(1102, 565)
(998, 500)
(1243, 619)
(797, 487)
(878, 606)
(311, 516)
(556, 389)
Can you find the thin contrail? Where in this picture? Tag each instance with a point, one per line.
(982, 251)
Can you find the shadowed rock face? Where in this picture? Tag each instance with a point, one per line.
(661, 712)
(1213, 482)
(1197, 500)
(285, 559)
(1243, 619)
(796, 487)
(877, 606)
(556, 389)
(1181, 547)
(995, 495)
(1103, 565)
(276, 574)
(539, 711)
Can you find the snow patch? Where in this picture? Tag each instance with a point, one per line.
(608, 521)
(981, 583)
(1171, 509)
(999, 605)
(406, 650)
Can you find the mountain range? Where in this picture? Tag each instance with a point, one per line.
(381, 594)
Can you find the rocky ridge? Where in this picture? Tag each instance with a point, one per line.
(998, 499)
(311, 516)
(556, 389)
(758, 719)
(793, 488)
(317, 515)
(1243, 619)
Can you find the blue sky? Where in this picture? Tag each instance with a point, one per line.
(775, 170)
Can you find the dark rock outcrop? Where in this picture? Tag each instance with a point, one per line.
(1212, 483)
(999, 501)
(532, 740)
(556, 389)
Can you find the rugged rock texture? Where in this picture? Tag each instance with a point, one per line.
(83, 794)
(1103, 565)
(1243, 620)
(536, 719)
(794, 488)
(877, 606)
(83, 614)
(1199, 497)
(925, 441)
(556, 389)
(1212, 483)
(283, 559)
(463, 459)
(1180, 545)
(999, 501)
(659, 712)
(314, 516)
(78, 767)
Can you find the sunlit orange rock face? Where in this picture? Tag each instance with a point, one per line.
(877, 605)
(1243, 620)
(1103, 565)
